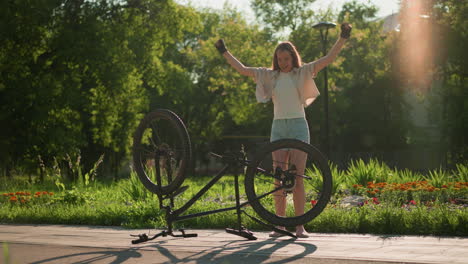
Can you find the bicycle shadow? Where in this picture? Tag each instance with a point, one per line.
(225, 251)
(239, 251)
(107, 256)
(233, 251)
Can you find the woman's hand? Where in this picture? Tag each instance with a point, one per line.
(221, 46)
(346, 30)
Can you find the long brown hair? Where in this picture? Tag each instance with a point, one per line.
(289, 47)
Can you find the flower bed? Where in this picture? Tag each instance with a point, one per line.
(25, 198)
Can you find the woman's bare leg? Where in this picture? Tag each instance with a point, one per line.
(299, 158)
(280, 158)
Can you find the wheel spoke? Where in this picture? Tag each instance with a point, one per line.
(269, 180)
(161, 142)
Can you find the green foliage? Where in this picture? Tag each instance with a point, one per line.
(461, 174)
(135, 189)
(74, 81)
(212, 98)
(6, 253)
(367, 109)
(449, 96)
(359, 14)
(339, 178)
(405, 175)
(431, 212)
(280, 14)
(73, 196)
(91, 175)
(361, 173)
(437, 177)
(387, 220)
(77, 76)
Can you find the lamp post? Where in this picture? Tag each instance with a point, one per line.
(323, 27)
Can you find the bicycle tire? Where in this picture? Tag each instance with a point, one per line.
(318, 183)
(161, 151)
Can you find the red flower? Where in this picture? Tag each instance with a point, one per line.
(375, 200)
(412, 202)
(13, 199)
(313, 202)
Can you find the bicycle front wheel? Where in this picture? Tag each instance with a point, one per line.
(161, 151)
(288, 183)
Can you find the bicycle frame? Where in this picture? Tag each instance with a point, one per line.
(175, 216)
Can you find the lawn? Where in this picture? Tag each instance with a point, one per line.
(390, 202)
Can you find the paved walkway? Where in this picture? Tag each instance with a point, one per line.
(90, 244)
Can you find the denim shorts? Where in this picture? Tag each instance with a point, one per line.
(296, 128)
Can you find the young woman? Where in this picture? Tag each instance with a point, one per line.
(290, 85)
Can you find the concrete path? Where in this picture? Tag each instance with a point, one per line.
(90, 244)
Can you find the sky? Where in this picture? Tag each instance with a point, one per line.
(386, 7)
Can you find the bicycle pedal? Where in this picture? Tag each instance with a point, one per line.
(243, 233)
(184, 234)
(284, 232)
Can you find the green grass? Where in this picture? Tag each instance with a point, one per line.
(384, 219)
(420, 209)
(6, 253)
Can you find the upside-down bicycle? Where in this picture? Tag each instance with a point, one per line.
(162, 155)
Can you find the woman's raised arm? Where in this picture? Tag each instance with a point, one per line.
(333, 53)
(235, 63)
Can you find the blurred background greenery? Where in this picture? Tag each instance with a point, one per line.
(76, 77)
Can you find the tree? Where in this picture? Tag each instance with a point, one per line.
(281, 14)
(73, 76)
(367, 109)
(210, 96)
(375, 112)
(449, 102)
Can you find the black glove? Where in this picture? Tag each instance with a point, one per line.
(220, 46)
(346, 30)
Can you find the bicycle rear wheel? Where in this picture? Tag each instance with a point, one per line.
(161, 151)
(274, 181)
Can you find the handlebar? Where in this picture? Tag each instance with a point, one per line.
(142, 238)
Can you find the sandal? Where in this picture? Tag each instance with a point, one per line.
(303, 235)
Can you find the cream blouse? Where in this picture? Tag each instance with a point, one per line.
(286, 98)
(302, 78)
